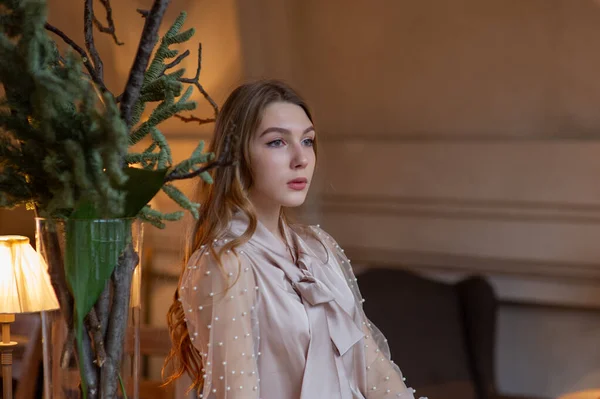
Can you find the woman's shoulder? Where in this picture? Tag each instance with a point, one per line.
(315, 233)
(207, 254)
(319, 240)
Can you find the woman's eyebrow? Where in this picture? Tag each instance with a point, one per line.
(284, 131)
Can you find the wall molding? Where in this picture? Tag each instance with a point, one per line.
(460, 208)
(457, 138)
(516, 282)
(441, 262)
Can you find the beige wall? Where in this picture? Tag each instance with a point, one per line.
(17, 221)
(455, 70)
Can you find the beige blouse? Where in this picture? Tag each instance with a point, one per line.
(284, 330)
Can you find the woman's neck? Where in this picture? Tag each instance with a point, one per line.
(269, 217)
(272, 223)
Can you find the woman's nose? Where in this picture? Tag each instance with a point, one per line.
(299, 160)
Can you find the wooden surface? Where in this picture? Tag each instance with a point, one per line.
(591, 394)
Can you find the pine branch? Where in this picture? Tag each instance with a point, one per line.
(77, 155)
(226, 158)
(157, 67)
(142, 57)
(197, 156)
(110, 29)
(165, 158)
(156, 218)
(163, 112)
(181, 199)
(145, 156)
(142, 158)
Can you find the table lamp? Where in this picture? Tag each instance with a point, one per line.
(24, 288)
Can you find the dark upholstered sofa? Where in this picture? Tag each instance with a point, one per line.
(441, 335)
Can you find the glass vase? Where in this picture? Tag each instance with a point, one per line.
(97, 262)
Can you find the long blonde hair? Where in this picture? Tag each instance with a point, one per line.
(237, 121)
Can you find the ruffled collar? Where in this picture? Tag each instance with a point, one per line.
(265, 240)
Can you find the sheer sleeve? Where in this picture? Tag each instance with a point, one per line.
(384, 377)
(219, 301)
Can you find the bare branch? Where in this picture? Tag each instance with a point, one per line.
(199, 66)
(84, 57)
(182, 176)
(73, 45)
(117, 323)
(68, 349)
(103, 306)
(176, 61)
(88, 29)
(196, 82)
(110, 29)
(192, 118)
(142, 57)
(95, 329)
(143, 13)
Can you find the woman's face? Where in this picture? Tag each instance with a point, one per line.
(282, 157)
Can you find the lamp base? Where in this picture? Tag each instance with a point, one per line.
(6, 354)
(5, 320)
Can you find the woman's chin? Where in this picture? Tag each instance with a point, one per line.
(294, 201)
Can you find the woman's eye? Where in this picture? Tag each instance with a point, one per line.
(308, 142)
(275, 143)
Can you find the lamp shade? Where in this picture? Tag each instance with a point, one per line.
(24, 281)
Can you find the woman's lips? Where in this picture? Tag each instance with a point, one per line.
(297, 184)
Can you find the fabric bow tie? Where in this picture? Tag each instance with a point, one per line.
(312, 290)
(342, 329)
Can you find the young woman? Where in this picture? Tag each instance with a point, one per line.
(266, 309)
